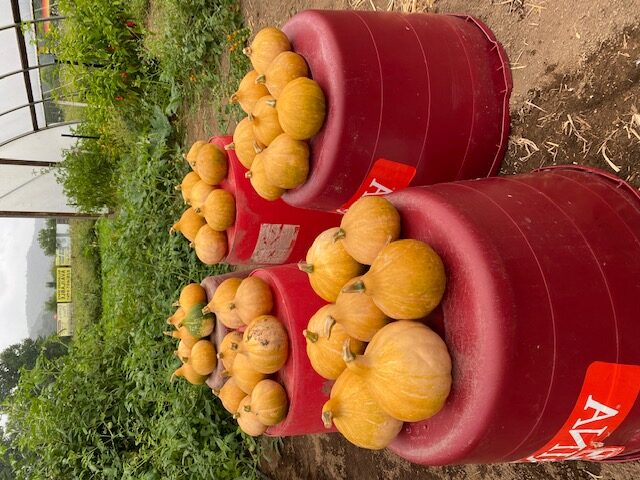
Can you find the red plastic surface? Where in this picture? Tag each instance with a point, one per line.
(543, 279)
(267, 233)
(430, 91)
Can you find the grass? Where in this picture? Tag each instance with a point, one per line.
(85, 274)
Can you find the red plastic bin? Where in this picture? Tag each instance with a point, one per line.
(264, 232)
(541, 317)
(411, 100)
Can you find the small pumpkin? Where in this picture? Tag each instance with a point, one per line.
(248, 421)
(183, 334)
(190, 157)
(183, 351)
(245, 143)
(244, 374)
(406, 280)
(177, 317)
(406, 368)
(249, 92)
(286, 163)
(358, 314)
(266, 344)
(357, 415)
(265, 47)
(211, 164)
(229, 348)
(189, 224)
(219, 210)
(268, 402)
(325, 340)
(230, 395)
(264, 120)
(301, 108)
(198, 324)
(211, 246)
(190, 295)
(285, 67)
(199, 194)
(188, 373)
(203, 357)
(259, 182)
(189, 180)
(329, 266)
(221, 303)
(252, 299)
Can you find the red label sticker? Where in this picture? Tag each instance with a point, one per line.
(608, 393)
(274, 243)
(385, 176)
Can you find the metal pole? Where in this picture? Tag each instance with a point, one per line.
(35, 20)
(11, 214)
(29, 163)
(24, 60)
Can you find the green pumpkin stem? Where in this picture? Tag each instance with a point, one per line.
(177, 188)
(257, 148)
(347, 354)
(247, 51)
(311, 336)
(305, 267)
(355, 287)
(339, 235)
(234, 98)
(327, 418)
(271, 103)
(328, 326)
(233, 346)
(248, 174)
(175, 304)
(247, 408)
(231, 146)
(260, 79)
(215, 391)
(206, 310)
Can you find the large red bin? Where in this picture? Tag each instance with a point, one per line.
(411, 100)
(267, 233)
(541, 316)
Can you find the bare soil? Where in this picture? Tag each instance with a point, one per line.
(576, 99)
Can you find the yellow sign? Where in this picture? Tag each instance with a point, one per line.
(63, 284)
(64, 317)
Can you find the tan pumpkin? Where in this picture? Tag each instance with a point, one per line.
(285, 67)
(358, 314)
(286, 163)
(265, 47)
(190, 295)
(221, 303)
(183, 352)
(203, 357)
(249, 92)
(219, 210)
(329, 266)
(190, 157)
(230, 395)
(229, 348)
(253, 298)
(211, 164)
(244, 374)
(369, 225)
(268, 402)
(189, 180)
(189, 224)
(245, 143)
(248, 421)
(211, 246)
(177, 317)
(185, 371)
(199, 194)
(407, 369)
(406, 280)
(357, 415)
(325, 340)
(266, 344)
(259, 182)
(264, 120)
(301, 108)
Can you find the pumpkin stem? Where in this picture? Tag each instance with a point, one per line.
(247, 51)
(247, 408)
(236, 415)
(251, 117)
(219, 355)
(226, 373)
(327, 418)
(355, 287)
(231, 146)
(231, 306)
(233, 98)
(248, 174)
(191, 245)
(305, 267)
(175, 304)
(311, 336)
(233, 346)
(328, 326)
(206, 310)
(339, 235)
(172, 230)
(177, 188)
(257, 148)
(347, 354)
(260, 79)
(215, 391)
(271, 103)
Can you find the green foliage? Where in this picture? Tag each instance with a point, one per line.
(47, 237)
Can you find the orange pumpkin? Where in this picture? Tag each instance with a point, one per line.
(285, 67)
(249, 92)
(219, 210)
(286, 163)
(245, 143)
(264, 119)
(265, 47)
(189, 224)
(211, 246)
(301, 108)
(211, 164)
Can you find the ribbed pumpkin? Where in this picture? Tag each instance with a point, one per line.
(285, 67)
(286, 162)
(357, 415)
(253, 298)
(266, 344)
(190, 157)
(211, 246)
(190, 295)
(245, 143)
(325, 341)
(407, 369)
(189, 180)
(219, 210)
(301, 108)
(329, 266)
(221, 301)
(186, 371)
(211, 164)
(183, 352)
(248, 421)
(229, 348)
(264, 120)
(189, 224)
(406, 280)
(358, 314)
(203, 357)
(230, 396)
(177, 317)
(199, 194)
(249, 92)
(265, 47)
(244, 374)
(259, 182)
(369, 225)
(183, 334)
(269, 402)
(198, 324)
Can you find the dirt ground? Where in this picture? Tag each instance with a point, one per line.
(576, 99)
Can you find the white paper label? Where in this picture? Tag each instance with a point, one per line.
(275, 243)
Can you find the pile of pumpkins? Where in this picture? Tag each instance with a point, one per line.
(284, 110)
(212, 209)
(388, 366)
(255, 347)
